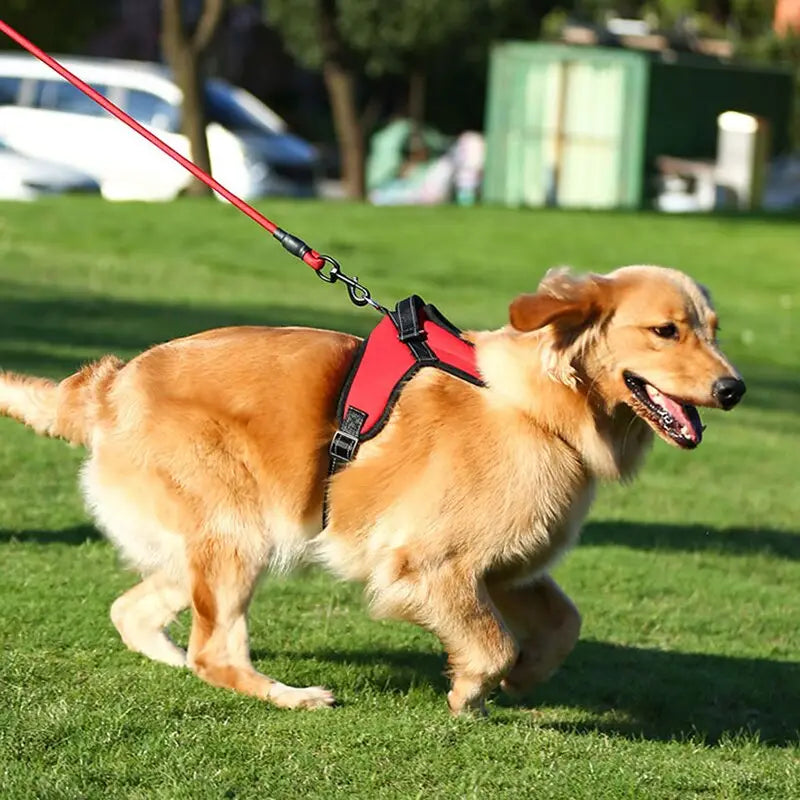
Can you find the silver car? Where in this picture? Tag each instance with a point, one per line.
(26, 178)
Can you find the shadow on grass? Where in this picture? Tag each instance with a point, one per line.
(668, 695)
(36, 327)
(636, 535)
(693, 538)
(71, 536)
(629, 691)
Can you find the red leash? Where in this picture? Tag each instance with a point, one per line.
(297, 247)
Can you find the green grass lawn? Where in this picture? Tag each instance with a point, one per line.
(686, 682)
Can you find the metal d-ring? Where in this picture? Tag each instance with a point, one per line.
(333, 275)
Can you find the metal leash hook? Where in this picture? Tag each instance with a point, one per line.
(359, 294)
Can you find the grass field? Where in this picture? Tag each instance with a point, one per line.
(686, 682)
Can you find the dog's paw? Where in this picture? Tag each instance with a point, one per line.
(461, 708)
(308, 697)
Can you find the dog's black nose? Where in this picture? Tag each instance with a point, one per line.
(728, 391)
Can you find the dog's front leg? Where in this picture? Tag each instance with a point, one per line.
(480, 649)
(547, 625)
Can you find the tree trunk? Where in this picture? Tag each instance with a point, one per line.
(349, 133)
(341, 85)
(188, 75)
(185, 52)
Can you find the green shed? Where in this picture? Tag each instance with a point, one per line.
(582, 126)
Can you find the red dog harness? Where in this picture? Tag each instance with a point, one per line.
(413, 336)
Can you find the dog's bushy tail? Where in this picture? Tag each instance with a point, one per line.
(66, 410)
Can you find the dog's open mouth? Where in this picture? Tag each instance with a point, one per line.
(675, 421)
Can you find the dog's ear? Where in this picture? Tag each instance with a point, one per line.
(564, 300)
(706, 292)
(529, 312)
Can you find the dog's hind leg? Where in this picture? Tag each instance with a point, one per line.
(143, 612)
(221, 589)
(547, 625)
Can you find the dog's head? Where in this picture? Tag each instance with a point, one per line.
(643, 337)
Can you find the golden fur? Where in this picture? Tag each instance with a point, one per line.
(208, 458)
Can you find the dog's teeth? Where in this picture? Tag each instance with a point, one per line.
(655, 395)
(684, 430)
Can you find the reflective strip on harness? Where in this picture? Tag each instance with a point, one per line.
(411, 337)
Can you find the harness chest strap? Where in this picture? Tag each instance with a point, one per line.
(413, 336)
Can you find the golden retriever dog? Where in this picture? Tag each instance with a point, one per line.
(208, 463)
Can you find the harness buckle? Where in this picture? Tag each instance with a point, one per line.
(345, 441)
(343, 446)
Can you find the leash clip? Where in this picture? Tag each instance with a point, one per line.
(359, 294)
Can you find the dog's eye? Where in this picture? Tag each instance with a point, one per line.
(668, 331)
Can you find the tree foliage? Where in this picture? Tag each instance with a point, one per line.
(747, 18)
(298, 23)
(391, 35)
(386, 36)
(55, 25)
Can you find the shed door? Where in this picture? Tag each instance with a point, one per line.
(587, 138)
(521, 102)
(530, 106)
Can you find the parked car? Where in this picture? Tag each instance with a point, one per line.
(26, 178)
(43, 116)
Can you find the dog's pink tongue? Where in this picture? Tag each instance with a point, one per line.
(686, 416)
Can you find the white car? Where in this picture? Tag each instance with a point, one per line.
(42, 116)
(25, 178)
